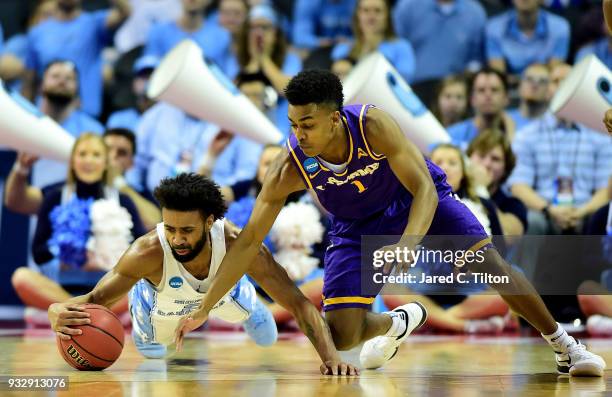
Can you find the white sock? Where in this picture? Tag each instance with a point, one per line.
(398, 325)
(559, 340)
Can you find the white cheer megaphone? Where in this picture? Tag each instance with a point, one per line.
(24, 128)
(185, 80)
(585, 94)
(374, 80)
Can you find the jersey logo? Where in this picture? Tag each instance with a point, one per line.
(361, 153)
(175, 282)
(313, 176)
(311, 165)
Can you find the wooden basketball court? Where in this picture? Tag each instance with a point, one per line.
(228, 364)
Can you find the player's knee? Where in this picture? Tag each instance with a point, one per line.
(344, 335)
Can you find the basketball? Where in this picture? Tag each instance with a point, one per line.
(100, 344)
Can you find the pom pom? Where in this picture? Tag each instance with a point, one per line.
(111, 227)
(297, 226)
(70, 231)
(296, 229)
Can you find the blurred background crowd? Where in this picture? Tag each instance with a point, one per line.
(487, 69)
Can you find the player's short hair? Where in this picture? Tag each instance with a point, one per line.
(191, 192)
(124, 132)
(315, 86)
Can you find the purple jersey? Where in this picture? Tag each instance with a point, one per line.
(367, 185)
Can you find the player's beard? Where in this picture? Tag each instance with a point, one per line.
(197, 248)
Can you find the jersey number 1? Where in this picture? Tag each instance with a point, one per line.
(359, 186)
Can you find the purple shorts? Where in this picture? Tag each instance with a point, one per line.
(342, 283)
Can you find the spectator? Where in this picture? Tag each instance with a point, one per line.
(170, 142)
(489, 98)
(253, 86)
(447, 35)
(528, 34)
(264, 50)
(58, 247)
(213, 39)
(13, 56)
(373, 31)
(59, 100)
(232, 16)
(492, 162)
(321, 23)
(562, 170)
(121, 144)
(451, 104)
(145, 13)
(533, 91)
(78, 36)
(129, 118)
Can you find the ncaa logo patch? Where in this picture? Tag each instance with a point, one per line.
(311, 165)
(175, 282)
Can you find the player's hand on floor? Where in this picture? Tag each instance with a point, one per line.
(187, 324)
(338, 368)
(63, 315)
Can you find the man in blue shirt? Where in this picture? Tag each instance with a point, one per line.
(562, 170)
(526, 35)
(321, 23)
(78, 36)
(170, 142)
(489, 98)
(447, 35)
(214, 40)
(59, 101)
(534, 94)
(129, 118)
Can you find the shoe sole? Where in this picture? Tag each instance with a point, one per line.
(586, 370)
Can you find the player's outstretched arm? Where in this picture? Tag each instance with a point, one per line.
(280, 181)
(136, 263)
(275, 281)
(408, 165)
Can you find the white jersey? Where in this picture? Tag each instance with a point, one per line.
(156, 310)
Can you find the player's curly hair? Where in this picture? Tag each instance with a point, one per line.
(191, 192)
(315, 86)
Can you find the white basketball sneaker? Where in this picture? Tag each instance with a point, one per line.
(377, 351)
(578, 361)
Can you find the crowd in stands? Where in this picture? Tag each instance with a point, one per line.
(487, 69)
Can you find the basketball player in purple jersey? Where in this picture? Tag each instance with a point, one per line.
(373, 181)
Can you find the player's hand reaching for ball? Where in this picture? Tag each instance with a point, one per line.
(187, 324)
(338, 368)
(63, 315)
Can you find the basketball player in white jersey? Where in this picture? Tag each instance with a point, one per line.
(168, 271)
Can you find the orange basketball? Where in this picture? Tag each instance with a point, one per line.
(100, 344)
